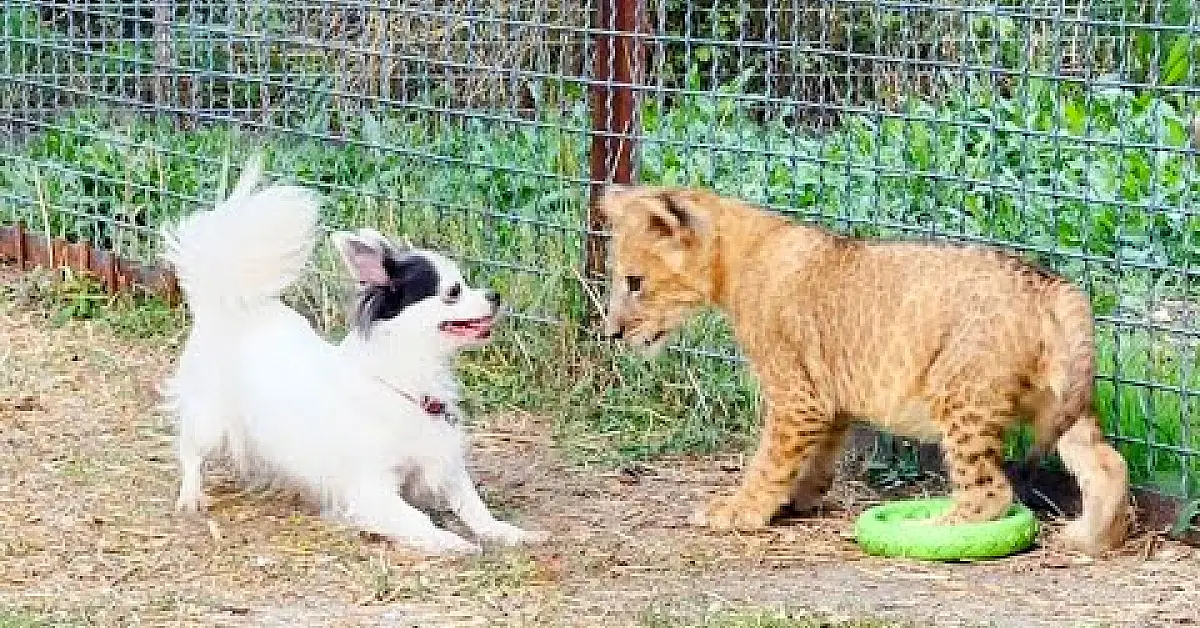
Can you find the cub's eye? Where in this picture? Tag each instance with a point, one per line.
(634, 282)
(453, 293)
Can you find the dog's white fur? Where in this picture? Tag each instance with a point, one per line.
(257, 383)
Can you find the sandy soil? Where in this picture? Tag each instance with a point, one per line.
(87, 534)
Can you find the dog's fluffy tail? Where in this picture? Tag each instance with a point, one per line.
(247, 250)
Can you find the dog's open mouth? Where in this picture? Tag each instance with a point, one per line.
(475, 328)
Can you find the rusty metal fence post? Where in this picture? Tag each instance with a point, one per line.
(618, 67)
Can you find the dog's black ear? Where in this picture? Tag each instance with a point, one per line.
(365, 257)
(412, 278)
(396, 249)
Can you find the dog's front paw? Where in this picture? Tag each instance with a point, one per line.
(191, 504)
(733, 513)
(534, 537)
(443, 544)
(507, 534)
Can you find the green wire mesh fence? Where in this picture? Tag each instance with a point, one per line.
(1063, 130)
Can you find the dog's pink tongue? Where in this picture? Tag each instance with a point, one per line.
(471, 329)
(480, 329)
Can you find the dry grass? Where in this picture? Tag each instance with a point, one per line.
(378, 50)
(87, 535)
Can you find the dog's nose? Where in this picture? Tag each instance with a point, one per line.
(493, 297)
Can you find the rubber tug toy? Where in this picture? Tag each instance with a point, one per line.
(900, 529)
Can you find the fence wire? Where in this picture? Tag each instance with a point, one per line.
(1064, 130)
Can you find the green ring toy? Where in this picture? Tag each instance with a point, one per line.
(900, 529)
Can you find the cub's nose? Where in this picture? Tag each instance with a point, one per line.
(618, 334)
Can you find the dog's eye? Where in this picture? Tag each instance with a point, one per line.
(453, 293)
(634, 282)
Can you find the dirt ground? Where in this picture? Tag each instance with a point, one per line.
(88, 535)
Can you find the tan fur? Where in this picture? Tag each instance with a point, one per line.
(939, 342)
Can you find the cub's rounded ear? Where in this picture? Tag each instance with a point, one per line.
(611, 209)
(618, 189)
(613, 202)
(363, 256)
(673, 216)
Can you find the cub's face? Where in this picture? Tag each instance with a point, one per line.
(661, 268)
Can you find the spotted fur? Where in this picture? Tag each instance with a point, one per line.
(945, 343)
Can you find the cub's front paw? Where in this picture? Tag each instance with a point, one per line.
(734, 513)
(951, 518)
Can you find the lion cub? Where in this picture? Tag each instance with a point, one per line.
(931, 341)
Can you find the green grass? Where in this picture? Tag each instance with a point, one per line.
(1144, 418)
(1036, 164)
(9, 619)
(22, 618)
(64, 296)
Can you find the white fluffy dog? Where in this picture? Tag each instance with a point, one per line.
(367, 425)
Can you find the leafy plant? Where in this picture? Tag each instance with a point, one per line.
(1098, 183)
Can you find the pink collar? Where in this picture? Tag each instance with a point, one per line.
(433, 405)
(430, 404)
